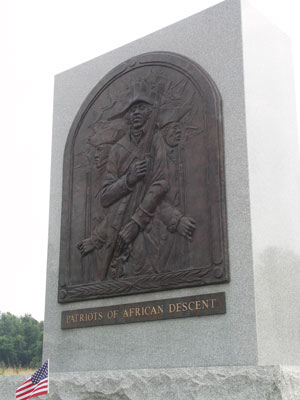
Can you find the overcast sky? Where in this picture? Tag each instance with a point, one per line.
(38, 40)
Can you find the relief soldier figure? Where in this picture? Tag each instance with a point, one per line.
(102, 141)
(135, 183)
(136, 179)
(177, 228)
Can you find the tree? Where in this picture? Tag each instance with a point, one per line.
(21, 341)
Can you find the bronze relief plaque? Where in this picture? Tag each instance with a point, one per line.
(143, 183)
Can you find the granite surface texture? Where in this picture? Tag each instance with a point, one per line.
(221, 383)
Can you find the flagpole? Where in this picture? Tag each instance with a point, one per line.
(49, 377)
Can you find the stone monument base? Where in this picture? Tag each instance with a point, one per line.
(211, 383)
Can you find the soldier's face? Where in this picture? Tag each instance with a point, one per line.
(172, 134)
(138, 114)
(101, 154)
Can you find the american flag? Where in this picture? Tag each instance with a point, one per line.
(36, 385)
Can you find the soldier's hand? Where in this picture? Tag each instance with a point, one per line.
(137, 172)
(127, 236)
(86, 246)
(186, 227)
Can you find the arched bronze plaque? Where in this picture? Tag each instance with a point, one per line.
(143, 191)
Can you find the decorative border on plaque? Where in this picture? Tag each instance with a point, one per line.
(148, 283)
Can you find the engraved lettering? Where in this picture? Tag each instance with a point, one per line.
(184, 306)
(198, 305)
(160, 309)
(147, 310)
(205, 303)
(172, 308)
(131, 312)
(153, 310)
(137, 312)
(213, 303)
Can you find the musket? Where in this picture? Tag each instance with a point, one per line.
(85, 261)
(147, 147)
(182, 181)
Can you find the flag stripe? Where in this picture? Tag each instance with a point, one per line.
(45, 385)
(39, 391)
(28, 380)
(36, 391)
(30, 387)
(26, 396)
(19, 395)
(38, 394)
(34, 387)
(42, 381)
(26, 390)
(25, 384)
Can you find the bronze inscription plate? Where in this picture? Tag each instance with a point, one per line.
(191, 306)
(143, 190)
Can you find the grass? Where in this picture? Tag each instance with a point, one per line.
(16, 371)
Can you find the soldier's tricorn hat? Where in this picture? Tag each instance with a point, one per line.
(140, 92)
